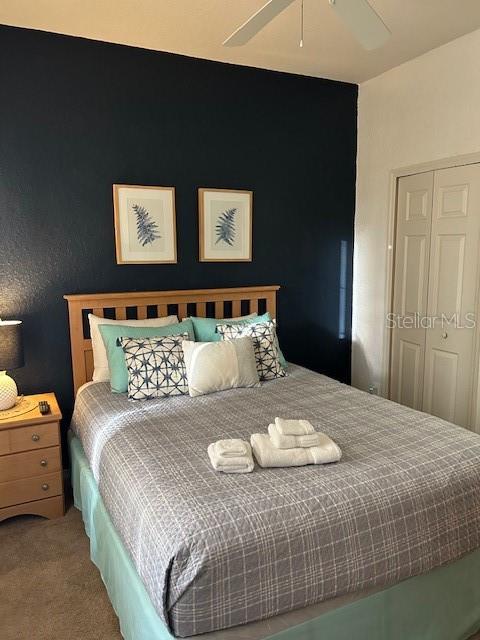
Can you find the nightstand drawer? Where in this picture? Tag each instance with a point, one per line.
(30, 489)
(29, 464)
(36, 436)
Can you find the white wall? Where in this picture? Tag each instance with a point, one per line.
(426, 109)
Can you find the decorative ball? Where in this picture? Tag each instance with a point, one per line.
(8, 392)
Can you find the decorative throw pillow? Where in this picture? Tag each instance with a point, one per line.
(156, 366)
(116, 360)
(216, 366)
(264, 343)
(206, 328)
(101, 372)
(266, 317)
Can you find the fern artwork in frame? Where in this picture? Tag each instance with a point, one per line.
(145, 224)
(225, 225)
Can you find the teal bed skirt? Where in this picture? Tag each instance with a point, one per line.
(441, 605)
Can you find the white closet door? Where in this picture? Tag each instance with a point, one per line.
(412, 249)
(452, 292)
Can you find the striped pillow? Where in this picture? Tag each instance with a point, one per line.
(265, 345)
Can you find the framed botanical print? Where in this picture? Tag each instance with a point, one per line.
(225, 225)
(145, 224)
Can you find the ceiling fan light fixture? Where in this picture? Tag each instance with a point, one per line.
(301, 26)
(358, 15)
(257, 22)
(362, 21)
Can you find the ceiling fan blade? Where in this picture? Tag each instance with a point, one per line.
(253, 25)
(363, 21)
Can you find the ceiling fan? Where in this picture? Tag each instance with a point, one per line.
(359, 16)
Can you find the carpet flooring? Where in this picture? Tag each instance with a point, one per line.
(49, 589)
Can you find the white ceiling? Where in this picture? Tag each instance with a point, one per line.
(198, 27)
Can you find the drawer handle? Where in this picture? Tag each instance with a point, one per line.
(35, 437)
(43, 463)
(45, 487)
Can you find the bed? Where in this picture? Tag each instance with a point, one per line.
(370, 546)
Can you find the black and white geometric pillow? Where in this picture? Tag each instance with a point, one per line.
(155, 366)
(265, 343)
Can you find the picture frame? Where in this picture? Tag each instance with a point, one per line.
(145, 224)
(225, 225)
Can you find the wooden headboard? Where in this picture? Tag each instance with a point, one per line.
(215, 303)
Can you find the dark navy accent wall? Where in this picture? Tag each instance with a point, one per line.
(77, 116)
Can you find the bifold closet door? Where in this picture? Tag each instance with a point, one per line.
(452, 294)
(412, 257)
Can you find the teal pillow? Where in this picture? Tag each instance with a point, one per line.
(206, 329)
(115, 355)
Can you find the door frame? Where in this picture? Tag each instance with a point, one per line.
(395, 174)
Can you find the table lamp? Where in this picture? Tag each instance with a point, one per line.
(11, 357)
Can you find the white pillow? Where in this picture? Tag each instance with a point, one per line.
(216, 366)
(101, 372)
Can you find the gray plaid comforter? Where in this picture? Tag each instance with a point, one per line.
(217, 550)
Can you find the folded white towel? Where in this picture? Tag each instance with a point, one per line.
(291, 442)
(231, 464)
(293, 427)
(269, 456)
(231, 448)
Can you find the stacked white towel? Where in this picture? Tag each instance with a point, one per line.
(288, 441)
(293, 443)
(231, 456)
(294, 427)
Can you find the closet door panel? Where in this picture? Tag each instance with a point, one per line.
(447, 274)
(413, 286)
(452, 294)
(412, 251)
(410, 366)
(442, 370)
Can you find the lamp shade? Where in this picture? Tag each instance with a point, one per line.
(11, 344)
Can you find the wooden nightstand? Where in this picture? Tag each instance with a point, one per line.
(31, 479)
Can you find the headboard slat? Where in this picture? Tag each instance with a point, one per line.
(78, 304)
(236, 308)
(182, 311)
